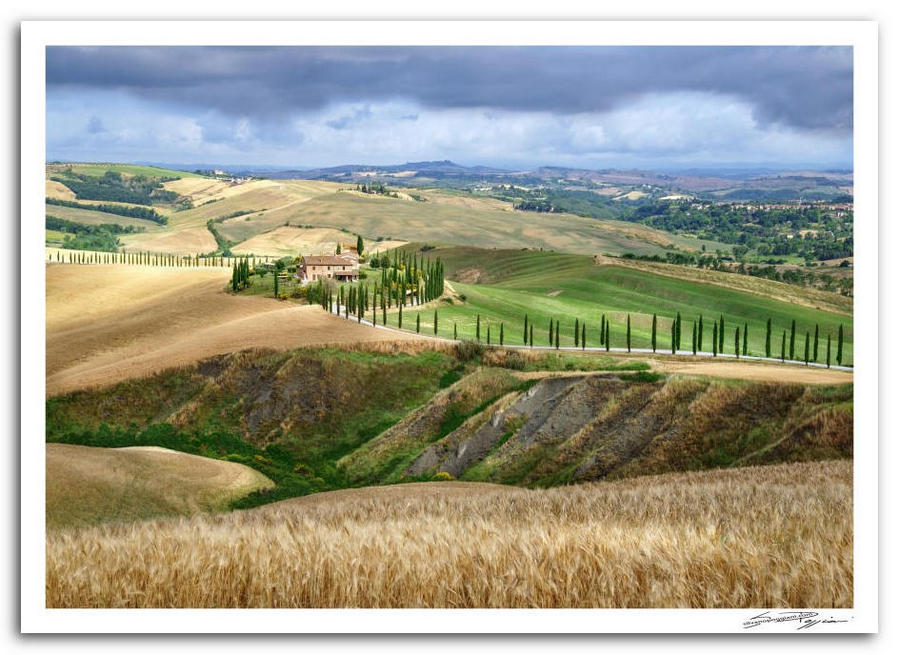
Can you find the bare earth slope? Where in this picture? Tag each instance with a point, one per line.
(772, 536)
(106, 323)
(91, 485)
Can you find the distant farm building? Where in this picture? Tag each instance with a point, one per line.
(343, 267)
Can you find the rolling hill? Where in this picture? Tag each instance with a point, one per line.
(502, 286)
(94, 485)
(251, 208)
(107, 323)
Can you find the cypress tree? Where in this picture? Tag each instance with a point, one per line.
(806, 350)
(501, 334)
(678, 331)
(454, 331)
(602, 329)
(478, 327)
(769, 338)
(606, 337)
(737, 342)
(276, 284)
(628, 332)
(744, 349)
(653, 334)
(816, 345)
(489, 334)
(557, 334)
(793, 333)
(722, 334)
(418, 322)
(550, 333)
(694, 338)
(715, 339)
(828, 352)
(840, 345)
(783, 340)
(399, 317)
(577, 333)
(525, 332)
(359, 245)
(233, 278)
(583, 330)
(672, 328)
(531, 336)
(383, 309)
(435, 322)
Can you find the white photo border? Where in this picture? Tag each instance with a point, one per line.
(35, 36)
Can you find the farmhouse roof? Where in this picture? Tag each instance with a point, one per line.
(328, 260)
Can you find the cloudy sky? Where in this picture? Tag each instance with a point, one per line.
(592, 107)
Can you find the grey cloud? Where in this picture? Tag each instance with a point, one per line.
(345, 121)
(802, 87)
(95, 126)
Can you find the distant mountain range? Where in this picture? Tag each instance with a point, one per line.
(726, 183)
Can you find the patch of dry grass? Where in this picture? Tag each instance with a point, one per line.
(775, 536)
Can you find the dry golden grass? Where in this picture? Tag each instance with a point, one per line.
(111, 323)
(90, 485)
(54, 189)
(286, 240)
(777, 536)
(756, 371)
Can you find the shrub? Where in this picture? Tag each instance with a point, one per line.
(467, 351)
(442, 476)
(514, 361)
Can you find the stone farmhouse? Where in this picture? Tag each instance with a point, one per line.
(341, 268)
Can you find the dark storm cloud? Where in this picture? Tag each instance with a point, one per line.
(801, 87)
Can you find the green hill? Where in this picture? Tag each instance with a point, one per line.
(502, 286)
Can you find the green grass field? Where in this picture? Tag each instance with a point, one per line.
(565, 287)
(54, 237)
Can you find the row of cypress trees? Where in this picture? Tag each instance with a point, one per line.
(410, 279)
(741, 336)
(149, 259)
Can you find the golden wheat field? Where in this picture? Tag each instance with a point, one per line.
(776, 536)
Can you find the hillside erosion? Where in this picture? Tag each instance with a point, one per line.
(363, 417)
